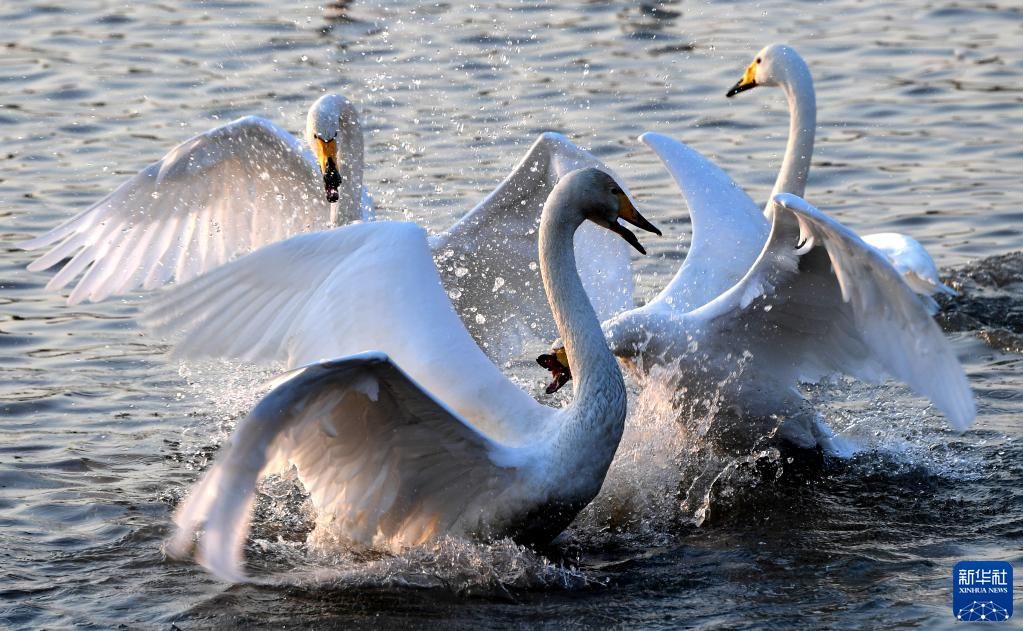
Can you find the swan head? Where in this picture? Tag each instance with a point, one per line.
(557, 363)
(772, 67)
(603, 201)
(322, 132)
(628, 334)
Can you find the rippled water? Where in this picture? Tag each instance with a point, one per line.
(920, 120)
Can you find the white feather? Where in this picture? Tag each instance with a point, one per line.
(494, 246)
(213, 197)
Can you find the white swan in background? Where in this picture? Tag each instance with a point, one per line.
(249, 183)
(215, 196)
(781, 66)
(816, 301)
(430, 438)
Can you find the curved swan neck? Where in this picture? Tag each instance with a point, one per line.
(598, 407)
(797, 84)
(350, 165)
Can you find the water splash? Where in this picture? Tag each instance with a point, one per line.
(640, 493)
(677, 467)
(451, 564)
(286, 548)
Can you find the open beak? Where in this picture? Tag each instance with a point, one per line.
(326, 155)
(332, 180)
(628, 212)
(747, 82)
(557, 363)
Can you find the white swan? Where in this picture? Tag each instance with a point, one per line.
(430, 438)
(816, 301)
(781, 66)
(213, 197)
(249, 183)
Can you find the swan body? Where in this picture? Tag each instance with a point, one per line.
(213, 197)
(428, 439)
(781, 66)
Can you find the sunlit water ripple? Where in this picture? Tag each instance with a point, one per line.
(102, 433)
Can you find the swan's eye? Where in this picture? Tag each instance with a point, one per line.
(757, 60)
(616, 191)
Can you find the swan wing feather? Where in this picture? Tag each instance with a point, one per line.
(215, 196)
(819, 300)
(383, 461)
(489, 258)
(729, 230)
(361, 287)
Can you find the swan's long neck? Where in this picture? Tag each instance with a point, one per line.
(593, 423)
(350, 165)
(798, 88)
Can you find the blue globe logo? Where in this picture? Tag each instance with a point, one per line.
(983, 611)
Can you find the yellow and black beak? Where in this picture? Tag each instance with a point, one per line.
(557, 363)
(628, 212)
(326, 156)
(747, 82)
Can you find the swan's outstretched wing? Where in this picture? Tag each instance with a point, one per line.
(369, 286)
(834, 304)
(489, 258)
(911, 259)
(383, 461)
(729, 230)
(211, 198)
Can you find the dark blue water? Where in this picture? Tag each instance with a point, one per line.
(102, 433)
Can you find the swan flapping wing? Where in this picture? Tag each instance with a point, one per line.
(383, 462)
(729, 230)
(362, 287)
(819, 300)
(489, 258)
(211, 198)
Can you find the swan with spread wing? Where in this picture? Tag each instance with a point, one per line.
(430, 438)
(751, 313)
(213, 197)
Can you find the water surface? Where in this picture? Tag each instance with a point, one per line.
(102, 433)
